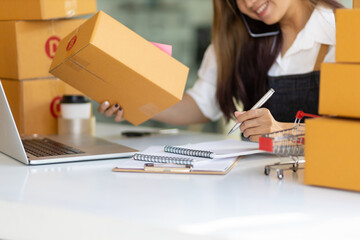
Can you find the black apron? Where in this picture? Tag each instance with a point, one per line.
(295, 92)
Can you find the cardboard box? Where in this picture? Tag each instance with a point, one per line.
(45, 9)
(331, 153)
(347, 36)
(30, 103)
(107, 61)
(339, 90)
(356, 3)
(28, 47)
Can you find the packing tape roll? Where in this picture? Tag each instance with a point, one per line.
(70, 7)
(76, 126)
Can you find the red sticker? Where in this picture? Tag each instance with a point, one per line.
(51, 45)
(71, 43)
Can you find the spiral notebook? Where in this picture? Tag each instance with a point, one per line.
(216, 157)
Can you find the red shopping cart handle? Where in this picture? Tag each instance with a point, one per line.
(301, 114)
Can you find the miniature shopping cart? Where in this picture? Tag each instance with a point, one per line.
(287, 143)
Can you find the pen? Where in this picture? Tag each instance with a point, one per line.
(257, 105)
(146, 133)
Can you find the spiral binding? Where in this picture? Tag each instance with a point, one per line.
(162, 159)
(188, 152)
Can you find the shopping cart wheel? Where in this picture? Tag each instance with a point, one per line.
(295, 167)
(280, 174)
(267, 170)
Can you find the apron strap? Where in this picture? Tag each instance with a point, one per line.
(321, 56)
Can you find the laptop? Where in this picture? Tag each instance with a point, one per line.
(35, 150)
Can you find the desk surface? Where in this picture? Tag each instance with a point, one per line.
(88, 201)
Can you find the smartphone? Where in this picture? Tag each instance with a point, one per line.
(258, 28)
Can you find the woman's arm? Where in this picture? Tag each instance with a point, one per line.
(184, 112)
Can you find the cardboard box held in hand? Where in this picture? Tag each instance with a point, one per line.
(107, 61)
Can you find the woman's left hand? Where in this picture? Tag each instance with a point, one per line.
(257, 122)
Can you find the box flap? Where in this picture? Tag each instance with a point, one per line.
(74, 42)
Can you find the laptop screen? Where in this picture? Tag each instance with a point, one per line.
(10, 142)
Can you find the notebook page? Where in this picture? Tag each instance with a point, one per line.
(223, 147)
(226, 148)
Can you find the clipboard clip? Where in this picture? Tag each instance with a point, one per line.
(167, 168)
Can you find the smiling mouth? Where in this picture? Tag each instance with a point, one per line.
(261, 9)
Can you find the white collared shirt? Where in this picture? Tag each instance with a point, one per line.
(299, 58)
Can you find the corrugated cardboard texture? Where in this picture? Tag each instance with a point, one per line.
(45, 9)
(339, 90)
(30, 103)
(28, 47)
(332, 153)
(347, 36)
(107, 61)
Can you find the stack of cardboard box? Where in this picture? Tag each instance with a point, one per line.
(30, 32)
(356, 3)
(331, 147)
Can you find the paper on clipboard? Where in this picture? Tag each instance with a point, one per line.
(201, 165)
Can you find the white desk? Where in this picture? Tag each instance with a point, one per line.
(89, 201)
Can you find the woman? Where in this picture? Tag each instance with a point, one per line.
(239, 68)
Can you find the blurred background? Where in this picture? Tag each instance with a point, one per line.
(184, 24)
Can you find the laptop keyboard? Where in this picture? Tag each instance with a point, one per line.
(43, 147)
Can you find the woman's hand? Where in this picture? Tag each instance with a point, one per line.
(114, 110)
(258, 122)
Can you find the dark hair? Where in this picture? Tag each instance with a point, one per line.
(243, 62)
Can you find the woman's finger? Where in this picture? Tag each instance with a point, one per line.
(260, 130)
(103, 106)
(255, 138)
(251, 114)
(238, 114)
(111, 110)
(119, 116)
(251, 123)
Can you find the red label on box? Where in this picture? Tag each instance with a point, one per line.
(51, 45)
(71, 43)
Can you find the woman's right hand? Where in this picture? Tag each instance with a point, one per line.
(114, 110)
(257, 122)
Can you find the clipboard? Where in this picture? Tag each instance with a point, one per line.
(173, 169)
(189, 158)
